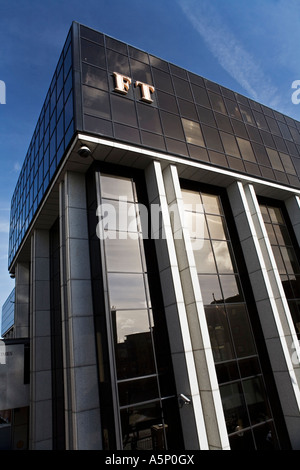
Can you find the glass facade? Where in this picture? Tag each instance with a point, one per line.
(189, 116)
(146, 407)
(245, 401)
(8, 313)
(286, 255)
(53, 132)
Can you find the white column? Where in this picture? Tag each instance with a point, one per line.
(177, 284)
(273, 310)
(83, 426)
(40, 429)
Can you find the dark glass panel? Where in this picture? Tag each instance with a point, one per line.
(133, 343)
(198, 153)
(149, 118)
(127, 133)
(260, 120)
(153, 140)
(274, 159)
(276, 215)
(193, 132)
(138, 55)
(172, 125)
(230, 144)
(282, 235)
(256, 400)
(123, 110)
(206, 116)
(126, 291)
(175, 70)
(227, 372)
(246, 149)
(219, 333)
(271, 234)
(265, 437)
(290, 260)
(261, 154)
(118, 63)
(217, 102)
(96, 102)
(231, 288)
(295, 312)
(273, 126)
(200, 96)
(187, 109)
(233, 109)
(223, 123)
(284, 131)
(182, 88)
(267, 139)
(287, 163)
(94, 77)
(280, 144)
(91, 34)
(210, 289)
(158, 63)
(167, 102)
(279, 260)
(241, 440)
(234, 406)
(254, 133)
(140, 71)
(235, 163)
(247, 115)
(97, 126)
(174, 146)
(249, 367)
(116, 45)
(239, 128)
(135, 391)
(92, 53)
(241, 331)
(162, 81)
(137, 424)
(212, 138)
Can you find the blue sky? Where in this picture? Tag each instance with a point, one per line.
(249, 47)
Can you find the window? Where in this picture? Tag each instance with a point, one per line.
(245, 403)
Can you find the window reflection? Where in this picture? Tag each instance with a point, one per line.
(231, 337)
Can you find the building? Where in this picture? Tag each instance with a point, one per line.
(154, 241)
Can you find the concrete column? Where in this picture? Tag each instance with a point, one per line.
(22, 292)
(40, 345)
(184, 363)
(275, 318)
(82, 412)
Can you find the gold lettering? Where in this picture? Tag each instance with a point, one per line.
(146, 91)
(122, 83)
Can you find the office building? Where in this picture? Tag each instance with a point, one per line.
(154, 240)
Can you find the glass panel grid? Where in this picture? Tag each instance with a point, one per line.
(51, 137)
(245, 403)
(285, 256)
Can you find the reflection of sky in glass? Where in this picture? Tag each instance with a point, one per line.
(131, 322)
(127, 291)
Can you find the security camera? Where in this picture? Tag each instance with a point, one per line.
(84, 152)
(184, 400)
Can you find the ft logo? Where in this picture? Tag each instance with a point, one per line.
(296, 94)
(2, 92)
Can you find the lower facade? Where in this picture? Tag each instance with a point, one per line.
(161, 298)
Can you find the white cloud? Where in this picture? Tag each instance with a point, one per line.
(229, 51)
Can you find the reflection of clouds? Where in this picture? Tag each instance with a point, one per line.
(131, 322)
(127, 290)
(222, 256)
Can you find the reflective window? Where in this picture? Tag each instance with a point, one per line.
(141, 367)
(245, 402)
(285, 256)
